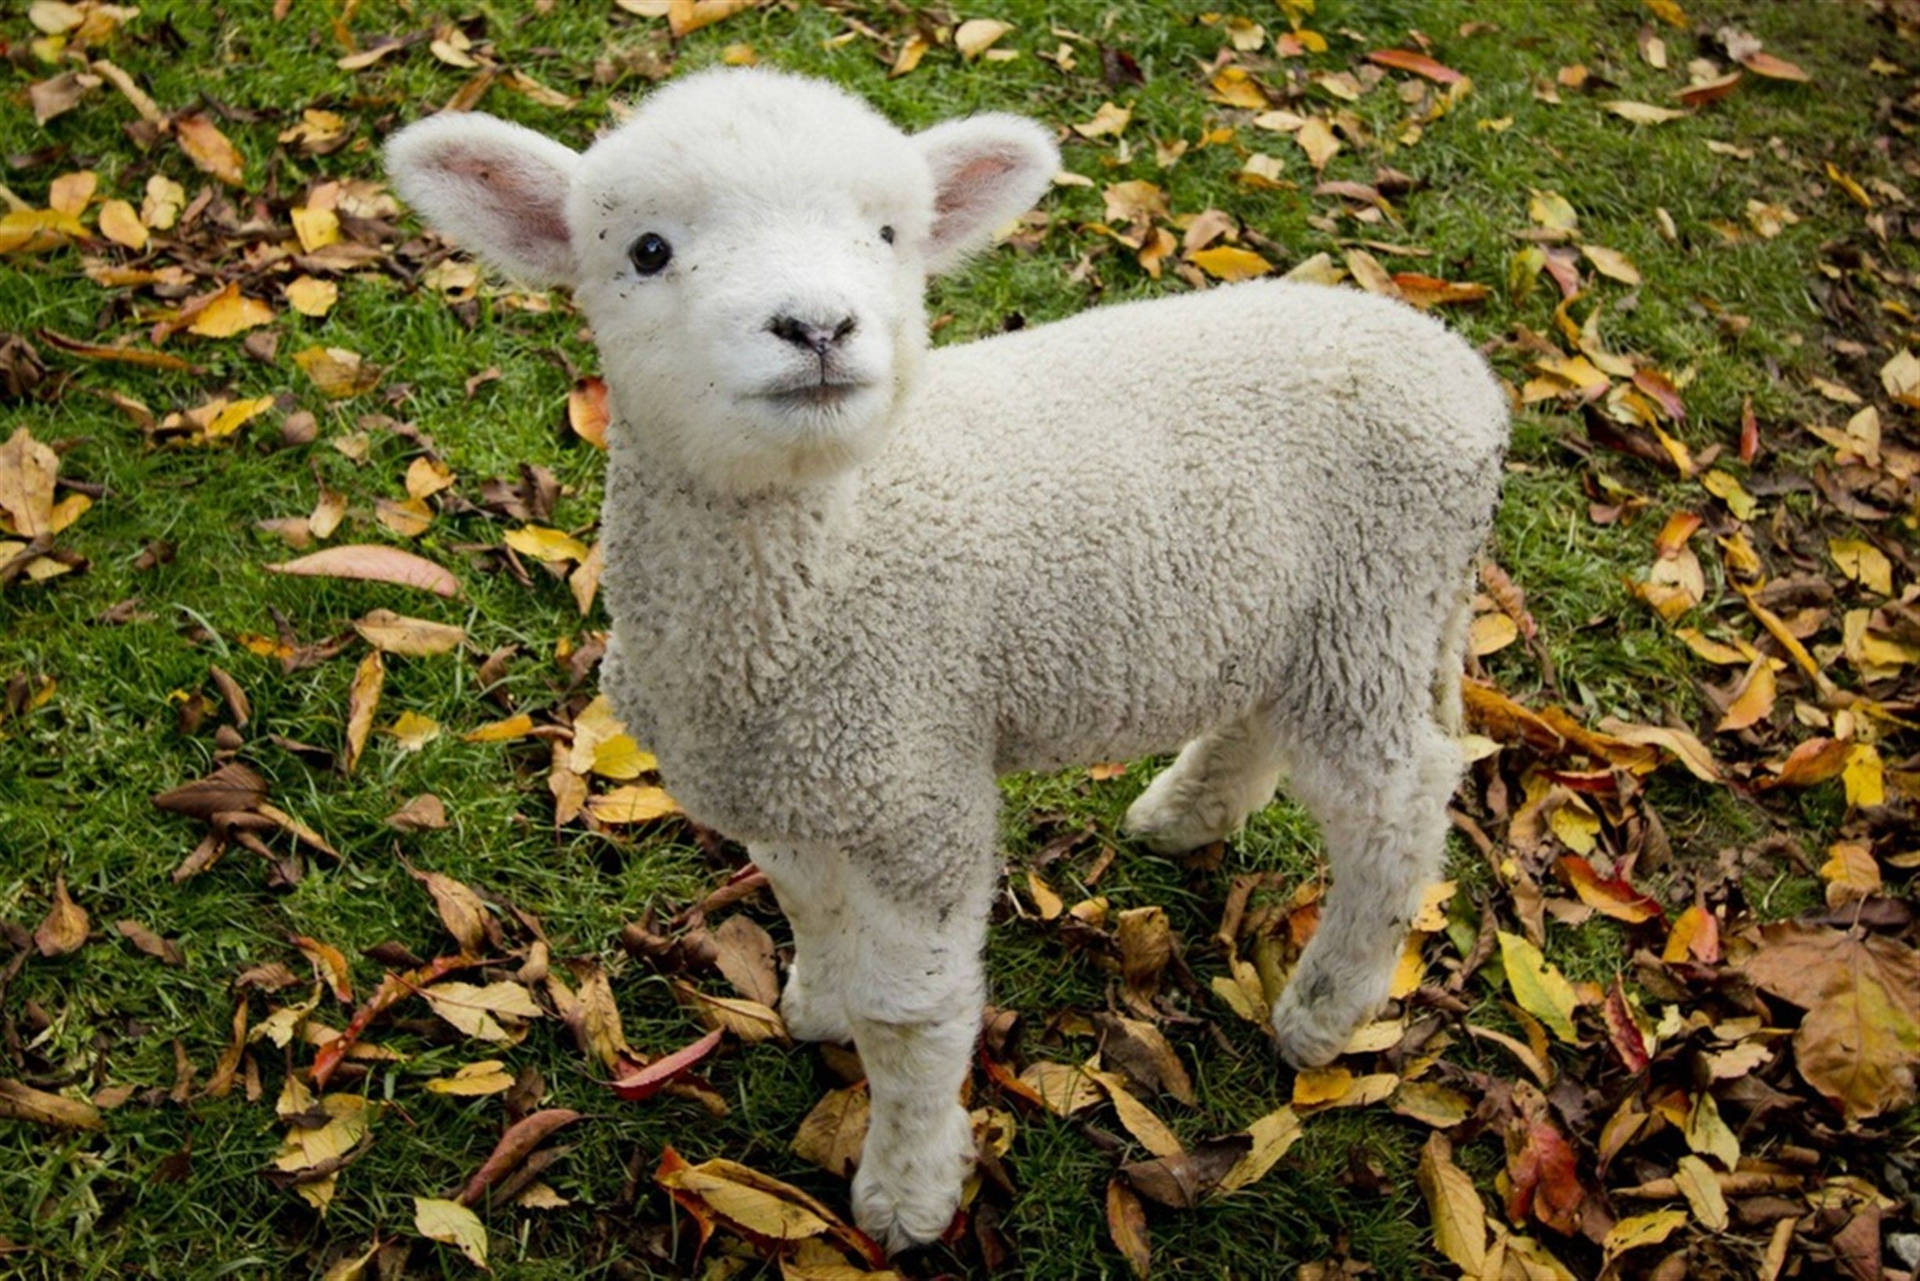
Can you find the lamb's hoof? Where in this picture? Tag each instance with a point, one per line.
(907, 1196)
(811, 1019)
(1159, 821)
(1309, 1036)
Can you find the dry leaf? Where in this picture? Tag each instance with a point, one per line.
(363, 700)
(375, 563)
(209, 149)
(64, 928)
(451, 1223)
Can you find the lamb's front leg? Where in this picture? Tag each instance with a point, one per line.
(914, 994)
(810, 885)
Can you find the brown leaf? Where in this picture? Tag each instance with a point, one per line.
(209, 149)
(1417, 63)
(24, 1103)
(831, 1135)
(363, 700)
(152, 944)
(1127, 1225)
(27, 472)
(461, 910)
(233, 788)
(749, 1020)
(1859, 1043)
(1753, 702)
(1142, 1051)
(65, 926)
(424, 813)
(745, 958)
(520, 1139)
(1145, 940)
(375, 563)
(1183, 1180)
(329, 965)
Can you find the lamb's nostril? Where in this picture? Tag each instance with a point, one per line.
(815, 338)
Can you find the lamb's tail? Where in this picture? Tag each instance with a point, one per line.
(1451, 661)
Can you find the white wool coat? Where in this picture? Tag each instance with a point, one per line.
(1089, 540)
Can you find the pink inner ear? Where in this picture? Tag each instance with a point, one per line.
(962, 189)
(529, 199)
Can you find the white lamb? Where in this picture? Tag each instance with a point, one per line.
(852, 581)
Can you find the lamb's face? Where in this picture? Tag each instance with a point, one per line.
(750, 248)
(756, 260)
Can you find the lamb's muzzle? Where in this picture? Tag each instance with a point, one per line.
(852, 581)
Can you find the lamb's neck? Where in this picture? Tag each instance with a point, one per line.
(766, 555)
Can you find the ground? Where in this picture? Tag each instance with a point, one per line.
(1747, 268)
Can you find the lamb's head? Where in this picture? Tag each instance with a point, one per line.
(750, 248)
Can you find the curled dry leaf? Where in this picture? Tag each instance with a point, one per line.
(363, 700)
(745, 959)
(24, 1103)
(461, 910)
(165, 950)
(832, 1134)
(424, 813)
(65, 927)
(655, 1076)
(375, 563)
(515, 1145)
(233, 788)
(209, 149)
(1127, 1225)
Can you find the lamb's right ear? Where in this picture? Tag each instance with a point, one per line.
(493, 188)
(987, 170)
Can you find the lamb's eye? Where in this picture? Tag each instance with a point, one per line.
(886, 234)
(650, 254)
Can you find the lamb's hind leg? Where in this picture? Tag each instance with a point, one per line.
(1383, 813)
(1216, 782)
(810, 885)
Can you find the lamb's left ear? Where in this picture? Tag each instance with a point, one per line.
(493, 188)
(987, 171)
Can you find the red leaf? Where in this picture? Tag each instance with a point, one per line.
(1418, 63)
(520, 1139)
(1610, 896)
(1545, 1182)
(648, 1080)
(1623, 1032)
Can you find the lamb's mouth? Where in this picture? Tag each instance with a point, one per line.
(813, 395)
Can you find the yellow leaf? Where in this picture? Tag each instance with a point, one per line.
(501, 731)
(1272, 1135)
(1107, 122)
(1709, 1135)
(1321, 1085)
(1316, 139)
(164, 200)
(312, 297)
(632, 804)
(1459, 1220)
(1754, 702)
(1612, 263)
(1702, 1191)
(756, 1202)
(1724, 487)
(1864, 777)
(363, 699)
(231, 418)
(1540, 988)
(1491, 633)
(316, 228)
(453, 1224)
(1642, 113)
(542, 543)
(412, 731)
(36, 229)
(1551, 210)
(1864, 563)
(209, 149)
(1642, 1230)
(1224, 262)
(489, 1076)
(1065, 1088)
(912, 49)
(415, 637)
(1851, 873)
(975, 36)
(230, 313)
(1235, 87)
(337, 372)
(120, 224)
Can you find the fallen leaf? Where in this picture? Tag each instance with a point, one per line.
(209, 149)
(514, 1147)
(501, 731)
(165, 950)
(375, 563)
(488, 1076)
(312, 297)
(588, 413)
(423, 813)
(337, 372)
(460, 909)
(832, 1134)
(546, 544)
(631, 804)
(1459, 1219)
(453, 1224)
(976, 35)
(24, 1103)
(655, 1076)
(1272, 1135)
(1610, 896)
(491, 1013)
(1228, 263)
(1753, 701)
(363, 700)
(1540, 988)
(393, 633)
(1127, 1225)
(1417, 63)
(64, 928)
(1642, 113)
(1860, 1040)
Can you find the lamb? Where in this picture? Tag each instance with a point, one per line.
(853, 581)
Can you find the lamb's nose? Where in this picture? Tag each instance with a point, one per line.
(817, 338)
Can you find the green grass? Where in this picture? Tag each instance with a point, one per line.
(76, 774)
